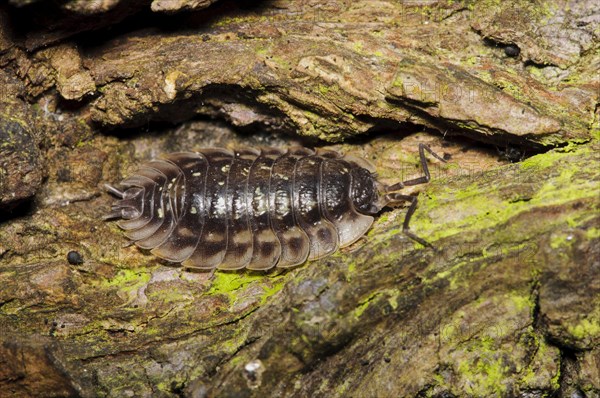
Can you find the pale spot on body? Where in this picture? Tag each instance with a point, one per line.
(219, 207)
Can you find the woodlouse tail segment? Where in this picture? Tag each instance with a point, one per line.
(129, 204)
(391, 197)
(113, 215)
(114, 191)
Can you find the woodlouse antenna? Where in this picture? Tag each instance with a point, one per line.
(394, 198)
(419, 180)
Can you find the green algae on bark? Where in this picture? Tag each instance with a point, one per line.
(377, 302)
(506, 306)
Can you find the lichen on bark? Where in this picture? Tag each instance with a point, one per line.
(506, 306)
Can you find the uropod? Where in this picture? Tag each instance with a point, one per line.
(255, 208)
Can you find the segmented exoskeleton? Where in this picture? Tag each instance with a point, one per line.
(254, 209)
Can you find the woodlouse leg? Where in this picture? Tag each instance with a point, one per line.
(211, 275)
(397, 198)
(419, 180)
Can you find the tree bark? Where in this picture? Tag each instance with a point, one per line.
(508, 302)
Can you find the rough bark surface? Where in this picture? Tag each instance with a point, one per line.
(509, 303)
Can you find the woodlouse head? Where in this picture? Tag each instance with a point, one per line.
(364, 191)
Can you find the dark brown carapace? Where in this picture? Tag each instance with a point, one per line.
(254, 209)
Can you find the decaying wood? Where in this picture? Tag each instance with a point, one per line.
(507, 306)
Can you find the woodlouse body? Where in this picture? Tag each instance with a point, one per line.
(251, 208)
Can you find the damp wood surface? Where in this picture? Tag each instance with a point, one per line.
(507, 306)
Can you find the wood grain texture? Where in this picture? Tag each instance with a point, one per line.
(508, 307)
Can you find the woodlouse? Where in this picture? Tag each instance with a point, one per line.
(254, 209)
